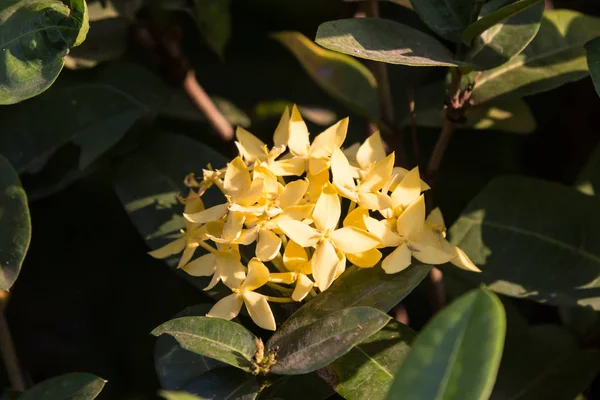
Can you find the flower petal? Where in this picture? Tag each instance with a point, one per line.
(294, 257)
(283, 277)
(252, 194)
(374, 201)
(298, 141)
(324, 264)
(299, 232)
(208, 215)
(227, 308)
(341, 265)
(383, 233)
(250, 147)
(412, 220)
(194, 206)
(463, 261)
(230, 269)
(408, 190)
(298, 212)
(366, 259)
(341, 170)
(329, 139)
(233, 226)
(432, 248)
(282, 132)
(328, 210)
(237, 177)
(247, 236)
(316, 184)
(436, 219)
(379, 175)
(356, 218)
(291, 167)
(397, 260)
(262, 171)
(171, 248)
(303, 287)
(204, 265)
(187, 255)
(292, 193)
(371, 151)
(268, 245)
(258, 275)
(216, 278)
(353, 240)
(259, 310)
(317, 165)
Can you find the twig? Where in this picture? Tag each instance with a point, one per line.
(413, 125)
(9, 355)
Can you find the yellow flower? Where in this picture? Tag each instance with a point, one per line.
(223, 265)
(256, 304)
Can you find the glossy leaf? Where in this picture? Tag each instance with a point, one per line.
(456, 356)
(367, 371)
(497, 17)
(342, 77)
(36, 36)
(216, 338)
(446, 18)
(177, 367)
(286, 387)
(15, 224)
(542, 247)
(503, 41)
(358, 287)
(314, 346)
(384, 40)
(593, 60)
(556, 56)
(214, 21)
(225, 383)
(73, 386)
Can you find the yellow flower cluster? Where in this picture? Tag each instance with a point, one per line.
(289, 206)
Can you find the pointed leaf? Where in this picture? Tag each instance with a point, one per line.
(384, 40)
(588, 180)
(73, 386)
(446, 18)
(340, 76)
(214, 21)
(593, 59)
(15, 224)
(36, 36)
(367, 371)
(556, 56)
(543, 247)
(314, 346)
(216, 338)
(456, 356)
(225, 383)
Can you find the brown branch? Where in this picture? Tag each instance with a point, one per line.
(9, 355)
(438, 289)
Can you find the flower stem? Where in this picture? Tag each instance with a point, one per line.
(280, 299)
(281, 289)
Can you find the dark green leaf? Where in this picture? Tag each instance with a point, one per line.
(314, 346)
(175, 366)
(225, 383)
(446, 18)
(286, 388)
(15, 224)
(588, 181)
(384, 40)
(216, 338)
(367, 371)
(344, 78)
(593, 60)
(556, 56)
(214, 22)
(497, 17)
(36, 36)
(74, 386)
(358, 287)
(457, 354)
(533, 239)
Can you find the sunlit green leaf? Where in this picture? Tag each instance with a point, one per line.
(384, 40)
(178, 395)
(15, 224)
(593, 59)
(341, 76)
(74, 386)
(214, 21)
(456, 356)
(446, 18)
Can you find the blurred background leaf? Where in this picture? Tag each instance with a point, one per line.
(77, 385)
(593, 58)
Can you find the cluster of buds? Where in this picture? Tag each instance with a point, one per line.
(288, 206)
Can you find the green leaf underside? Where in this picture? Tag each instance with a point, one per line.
(446, 18)
(542, 247)
(35, 36)
(225, 383)
(367, 371)
(73, 386)
(496, 17)
(593, 60)
(219, 339)
(342, 77)
(314, 346)
(358, 287)
(384, 40)
(456, 356)
(500, 43)
(15, 223)
(556, 56)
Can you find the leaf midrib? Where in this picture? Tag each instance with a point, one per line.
(31, 32)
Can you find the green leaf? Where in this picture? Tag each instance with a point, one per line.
(457, 354)
(446, 18)
(384, 40)
(367, 371)
(588, 180)
(15, 224)
(175, 366)
(314, 346)
(225, 383)
(541, 247)
(286, 387)
(358, 287)
(497, 17)
(214, 22)
(556, 56)
(73, 386)
(342, 77)
(94, 114)
(216, 338)
(593, 60)
(178, 395)
(36, 36)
